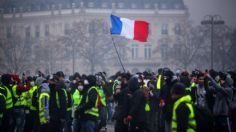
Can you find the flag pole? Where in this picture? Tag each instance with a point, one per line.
(117, 53)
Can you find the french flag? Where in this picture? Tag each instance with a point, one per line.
(131, 29)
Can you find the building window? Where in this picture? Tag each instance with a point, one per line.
(104, 5)
(147, 51)
(37, 31)
(121, 5)
(9, 32)
(164, 29)
(47, 30)
(164, 49)
(163, 6)
(134, 51)
(27, 32)
(90, 4)
(133, 5)
(146, 6)
(177, 29)
(66, 28)
(177, 6)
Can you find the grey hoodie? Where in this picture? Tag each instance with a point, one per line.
(223, 97)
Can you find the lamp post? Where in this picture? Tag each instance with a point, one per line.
(212, 20)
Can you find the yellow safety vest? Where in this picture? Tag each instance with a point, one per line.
(1, 114)
(42, 117)
(94, 110)
(191, 121)
(29, 95)
(76, 98)
(9, 103)
(158, 85)
(102, 95)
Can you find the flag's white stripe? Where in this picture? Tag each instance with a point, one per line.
(127, 28)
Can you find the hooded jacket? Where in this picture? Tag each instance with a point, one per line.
(137, 102)
(223, 97)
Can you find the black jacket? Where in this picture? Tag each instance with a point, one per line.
(138, 102)
(182, 114)
(92, 97)
(57, 111)
(122, 108)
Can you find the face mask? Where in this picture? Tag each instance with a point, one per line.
(86, 82)
(32, 83)
(80, 88)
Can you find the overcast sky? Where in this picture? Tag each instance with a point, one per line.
(199, 8)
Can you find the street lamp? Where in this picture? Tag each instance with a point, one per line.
(212, 20)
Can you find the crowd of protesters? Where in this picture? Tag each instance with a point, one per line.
(167, 101)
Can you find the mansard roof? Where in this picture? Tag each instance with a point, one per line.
(40, 5)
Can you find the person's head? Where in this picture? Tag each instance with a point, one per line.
(30, 80)
(124, 79)
(133, 83)
(223, 77)
(60, 76)
(99, 79)
(91, 80)
(80, 85)
(200, 79)
(178, 90)
(118, 89)
(77, 77)
(168, 75)
(6, 79)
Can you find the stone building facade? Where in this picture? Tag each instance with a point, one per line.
(166, 18)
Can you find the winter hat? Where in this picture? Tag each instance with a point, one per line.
(178, 88)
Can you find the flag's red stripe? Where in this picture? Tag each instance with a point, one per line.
(141, 31)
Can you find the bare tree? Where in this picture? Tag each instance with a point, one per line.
(16, 54)
(224, 49)
(93, 43)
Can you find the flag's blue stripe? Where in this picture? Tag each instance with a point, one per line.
(116, 25)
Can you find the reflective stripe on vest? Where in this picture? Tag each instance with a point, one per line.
(191, 122)
(42, 116)
(69, 108)
(94, 110)
(147, 107)
(159, 82)
(114, 85)
(57, 100)
(9, 103)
